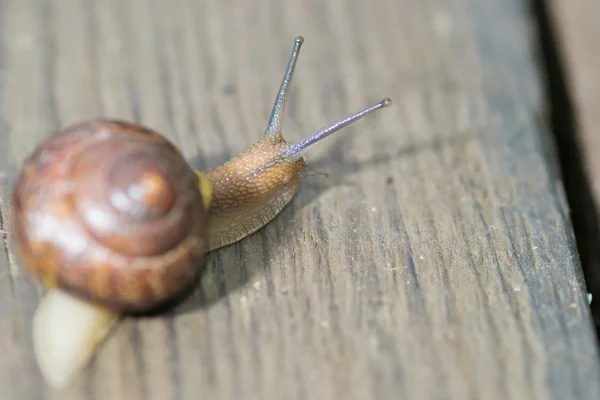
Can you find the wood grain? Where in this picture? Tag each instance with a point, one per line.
(437, 262)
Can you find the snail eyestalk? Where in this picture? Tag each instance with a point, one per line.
(297, 150)
(275, 125)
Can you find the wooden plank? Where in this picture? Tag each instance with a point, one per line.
(458, 278)
(576, 29)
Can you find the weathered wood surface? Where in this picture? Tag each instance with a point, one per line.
(577, 29)
(456, 279)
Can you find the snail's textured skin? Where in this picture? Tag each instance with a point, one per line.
(251, 189)
(110, 211)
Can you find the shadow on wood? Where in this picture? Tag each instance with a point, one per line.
(573, 163)
(212, 284)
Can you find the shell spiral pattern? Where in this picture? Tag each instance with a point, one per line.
(131, 218)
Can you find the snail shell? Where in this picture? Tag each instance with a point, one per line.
(110, 211)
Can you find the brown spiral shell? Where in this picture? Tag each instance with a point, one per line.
(111, 212)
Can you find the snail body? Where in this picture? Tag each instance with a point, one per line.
(112, 219)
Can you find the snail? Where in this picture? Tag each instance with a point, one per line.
(112, 220)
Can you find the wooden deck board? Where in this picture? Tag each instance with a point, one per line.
(436, 262)
(575, 26)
